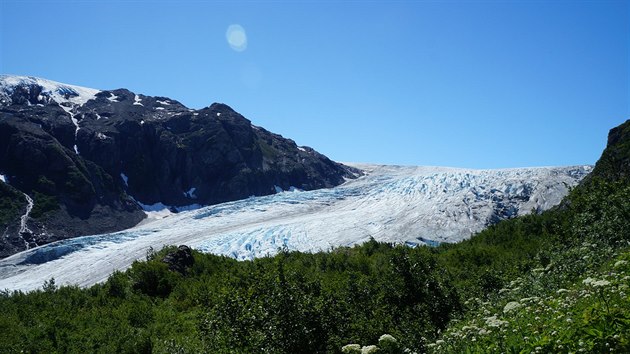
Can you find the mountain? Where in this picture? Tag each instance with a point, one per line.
(412, 205)
(77, 161)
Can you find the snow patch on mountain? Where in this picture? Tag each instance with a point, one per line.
(160, 211)
(137, 101)
(55, 91)
(113, 98)
(34, 90)
(125, 179)
(191, 193)
(411, 205)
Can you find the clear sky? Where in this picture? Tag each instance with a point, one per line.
(480, 84)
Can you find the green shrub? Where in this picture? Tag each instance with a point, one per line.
(12, 204)
(153, 278)
(43, 204)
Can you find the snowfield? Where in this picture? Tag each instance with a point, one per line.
(412, 205)
(64, 94)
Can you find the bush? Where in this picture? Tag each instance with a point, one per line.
(153, 278)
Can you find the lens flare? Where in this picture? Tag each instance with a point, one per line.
(236, 37)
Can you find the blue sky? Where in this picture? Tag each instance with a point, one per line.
(480, 84)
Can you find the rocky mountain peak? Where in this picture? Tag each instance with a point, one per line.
(29, 90)
(91, 159)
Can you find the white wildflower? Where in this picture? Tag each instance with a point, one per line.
(513, 283)
(533, 298)
(493, 321)
(351, 348)
(620, 263)
(368, 349)
(549, 267)
(387, 338)
(595, 283)
(511, 306)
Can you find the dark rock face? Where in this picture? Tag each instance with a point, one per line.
(180, 259)
(614, 164)
(206, 156)
(85, 159)
(72, 196)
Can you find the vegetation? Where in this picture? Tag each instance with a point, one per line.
(43, 204)
(534, 314)
(12, 204)
(268, 151)
(294, 302)
(555, 282)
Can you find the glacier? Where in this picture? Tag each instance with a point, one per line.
(400, 204)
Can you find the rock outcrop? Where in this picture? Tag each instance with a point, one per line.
(180, 259)
(614, 164)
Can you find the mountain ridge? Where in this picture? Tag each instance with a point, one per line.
(89, 159)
